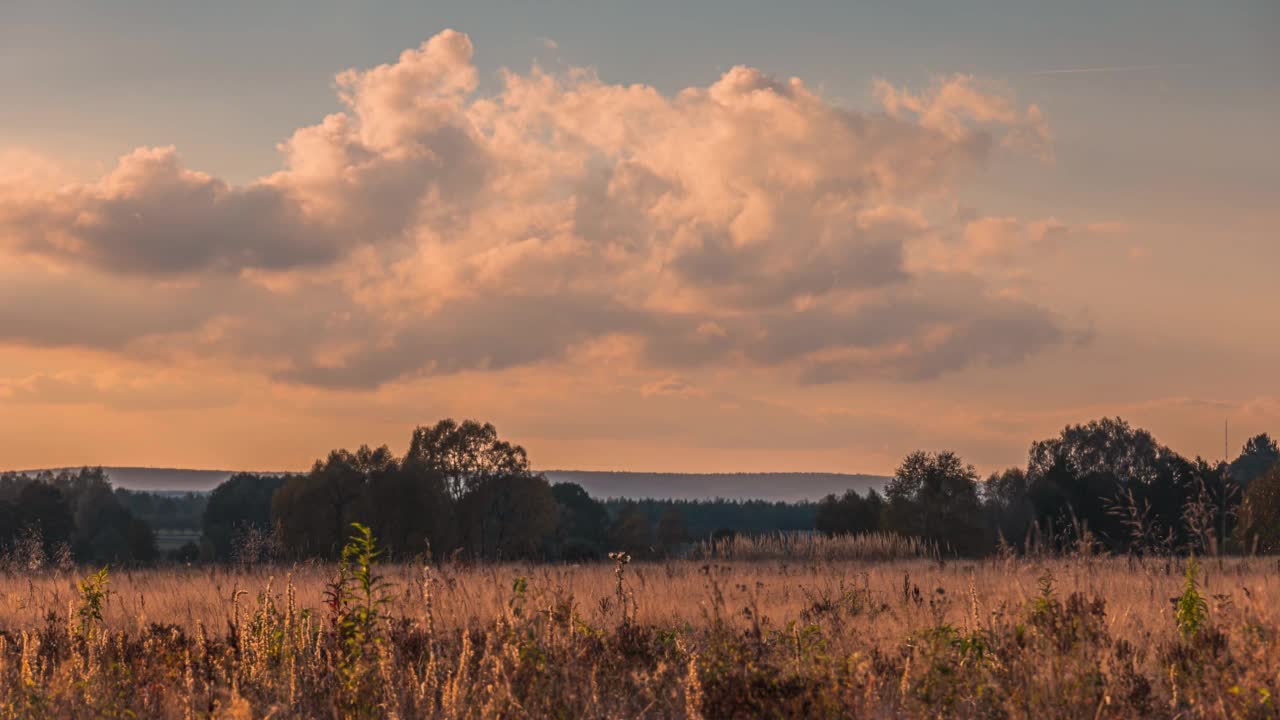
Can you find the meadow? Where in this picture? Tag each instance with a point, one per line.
(823, 632)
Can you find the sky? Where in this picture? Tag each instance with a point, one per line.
(662, 236)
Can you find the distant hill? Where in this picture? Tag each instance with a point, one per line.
(790, 487)
(158, 479)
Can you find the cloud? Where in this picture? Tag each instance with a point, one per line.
(427, 229)
(672, 387)
(945, 324)
(986, 244)
(150, 215)
(119, 391)
(955, 104)
(94, 311)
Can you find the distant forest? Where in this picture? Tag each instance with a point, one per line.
(460, 492)
(787, 486)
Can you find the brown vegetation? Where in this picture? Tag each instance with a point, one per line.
(1077, 637)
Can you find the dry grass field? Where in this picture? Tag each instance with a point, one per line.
(716, 638)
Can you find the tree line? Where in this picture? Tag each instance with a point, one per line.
(462, 492)
(1100, 486)
(69, 516)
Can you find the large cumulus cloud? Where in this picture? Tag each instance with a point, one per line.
(430, 229)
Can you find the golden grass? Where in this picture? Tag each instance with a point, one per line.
(676, 591)
(804, 546)
(717, 638)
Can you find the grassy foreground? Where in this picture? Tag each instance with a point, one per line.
(1066, 638)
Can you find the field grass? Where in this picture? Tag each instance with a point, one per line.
(1054, 638)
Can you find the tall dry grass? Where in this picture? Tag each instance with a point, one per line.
(804, 546)
(808, 636)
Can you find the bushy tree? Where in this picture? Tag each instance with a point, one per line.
(631, 531)
(43, 508)
(104, 531)
(76, 510)
(458, 487)
(411, 510)
(672, 531)
(934, 496)
(850, 513)
(1260, 454)
(312, 512)
(508, 517)
(165, 510)
(1113, 483)
(583, 523)
(242, 503)
(1209, 515)
(466, 454)
(1007, 504)
(1259, 527)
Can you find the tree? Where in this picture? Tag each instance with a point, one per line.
(1259, 527)
(43, 507)
(241, 503)
(1209, 516)
(312, 512)
(1071, 509)
(934, 496)
(1007, 503)
(141, 541)
(167, 511)
(411, 510)
(672, 529)
(849, 514)
(508, 517)
(488, 479)
(466, 454)
(583, 524)
(1260, 454)
(103, 529)
(458, 485)
(631, 531)
(1108, 445)
(1115, 481)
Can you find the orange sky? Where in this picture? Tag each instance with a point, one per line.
(743, 275)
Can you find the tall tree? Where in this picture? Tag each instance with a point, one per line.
(508, 517)
(583, 525)
(1109, 445)
(466, 454)
(672, 530)
(42, 507)
(849, 514)
(411, 511)
(631, 530)
(1007, 503)
(240, 504)
(104, 529)
(1259, 527)
(1260, 454)
(312, 512)
(1114, 480)
(934, 496)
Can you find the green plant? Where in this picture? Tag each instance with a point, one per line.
(93, 595)
(1192, 612)
(356, 598)
(516, 603)
(1046, 603)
